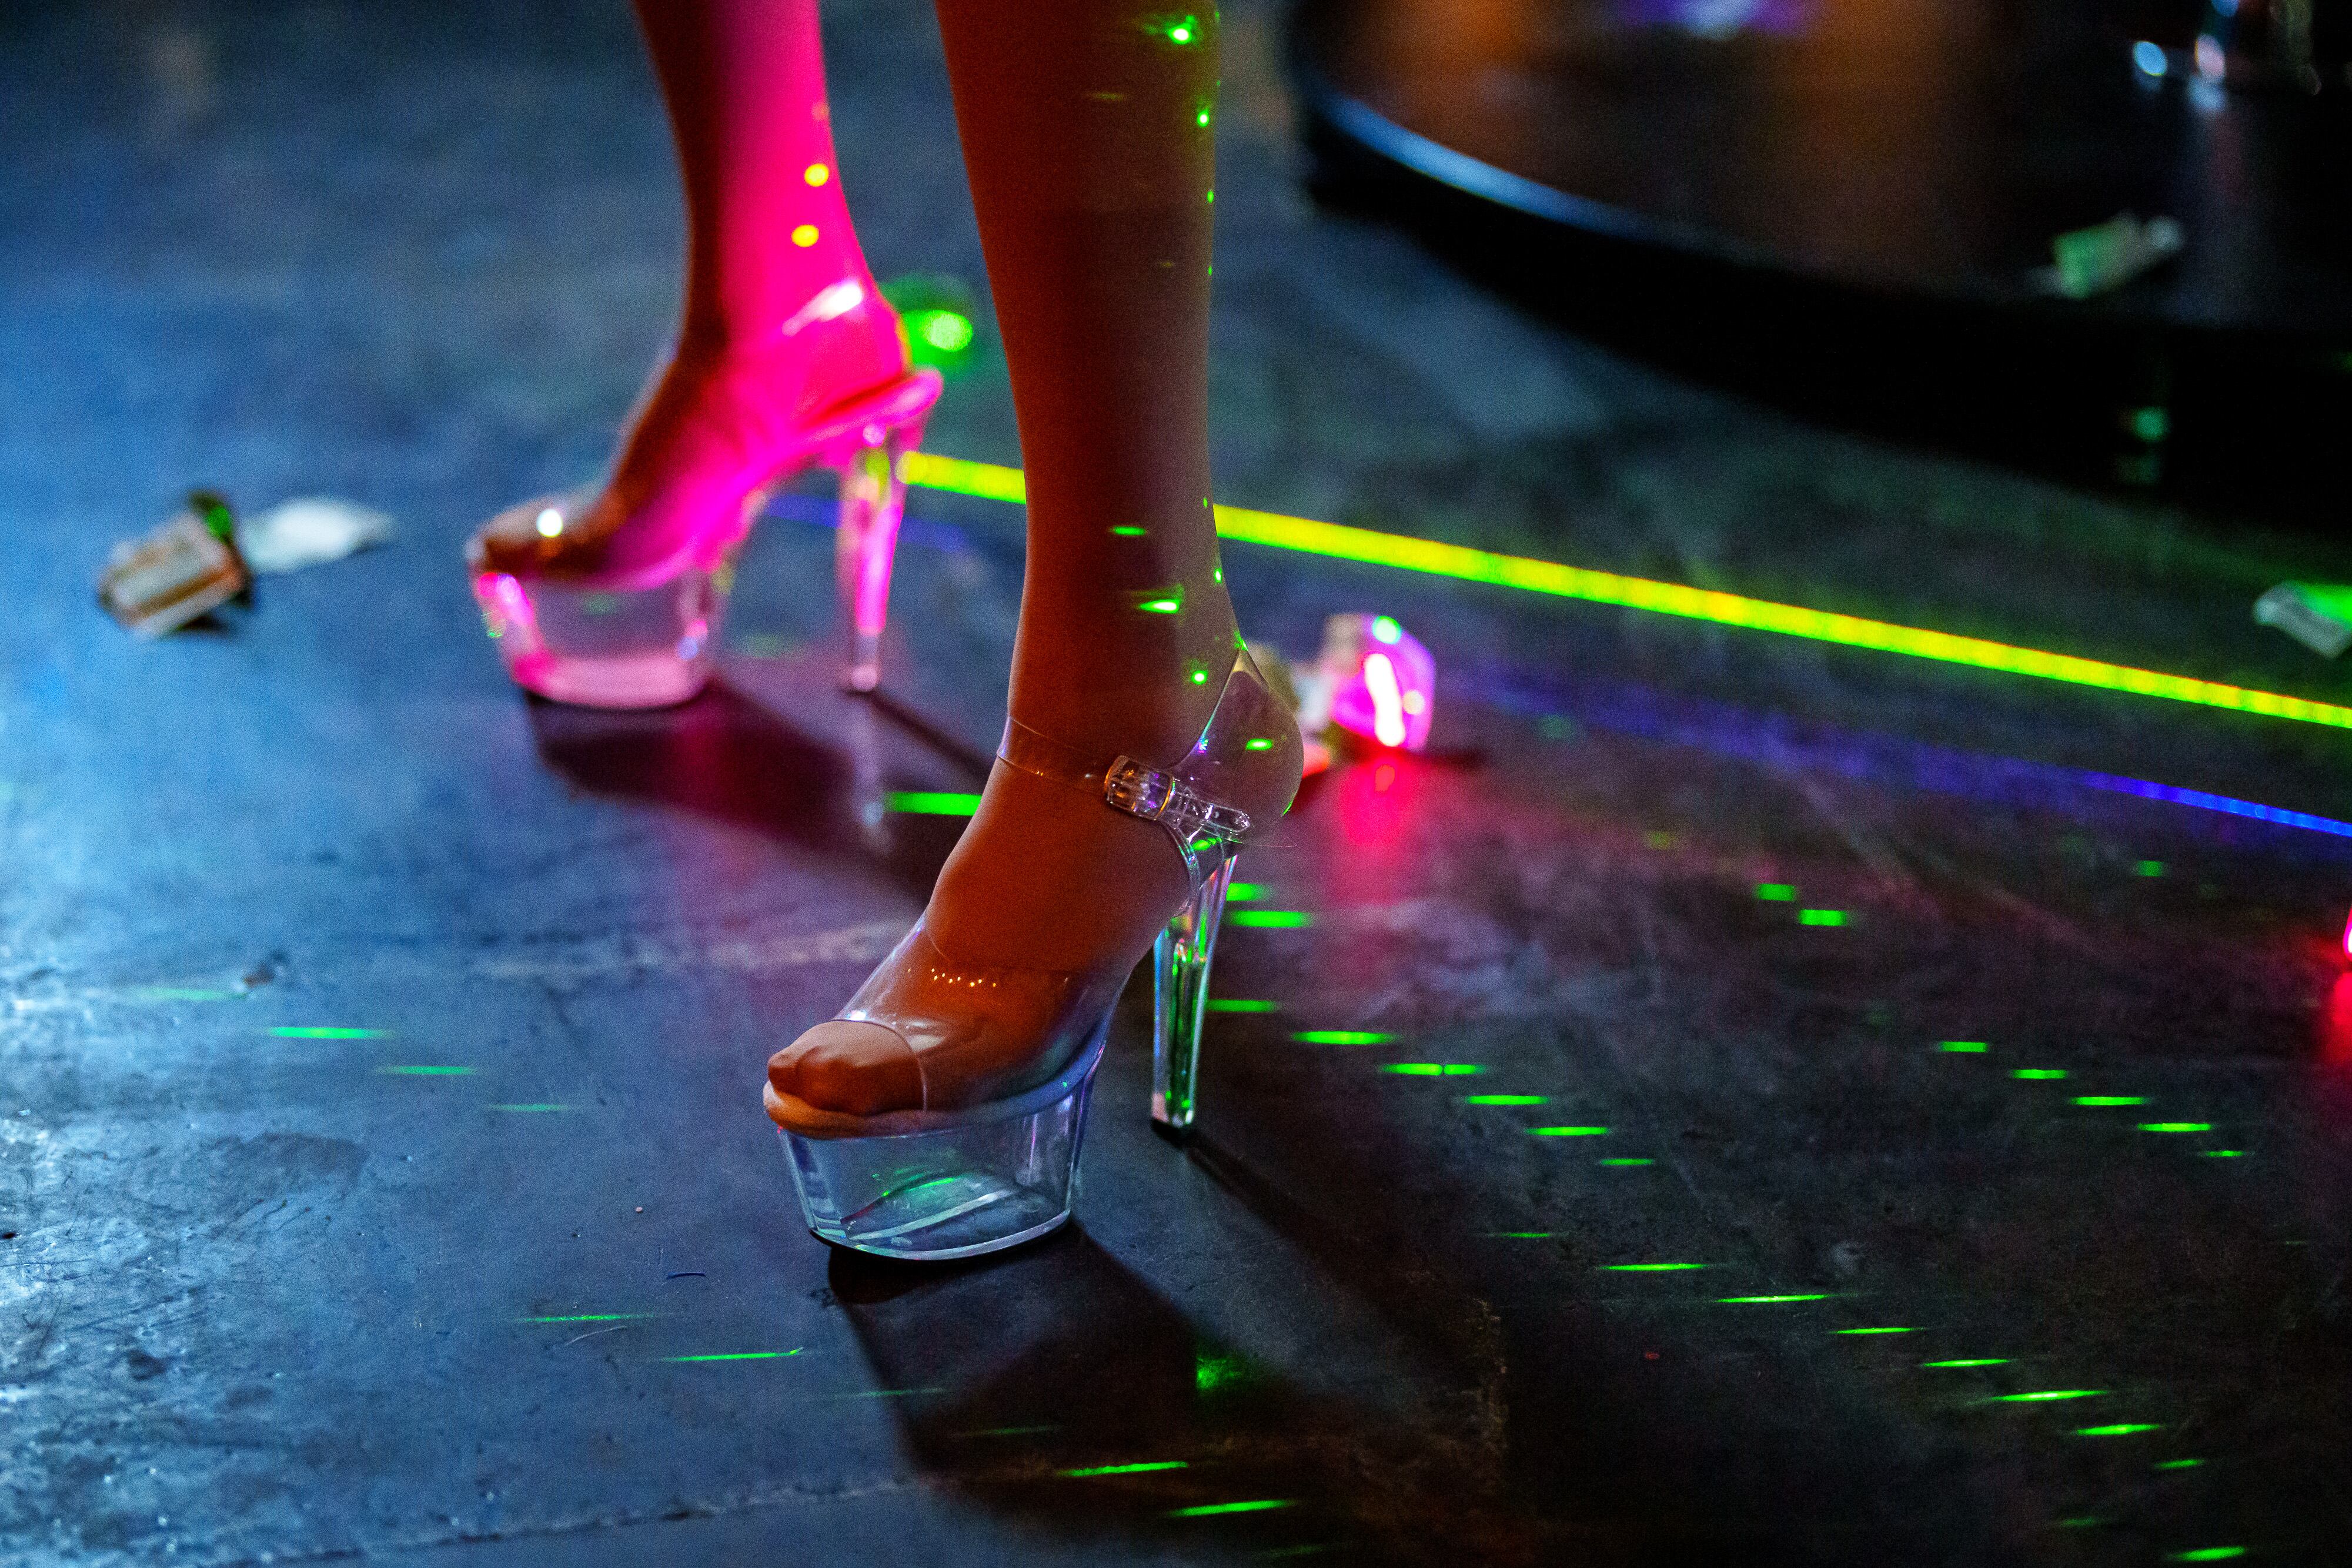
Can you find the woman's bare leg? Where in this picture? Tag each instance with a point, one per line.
(1086, 131)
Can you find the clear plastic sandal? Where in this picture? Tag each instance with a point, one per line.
(1007, 1057)
(629, 618)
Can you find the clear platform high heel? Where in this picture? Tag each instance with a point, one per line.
(628, 615)
(1007, 1057)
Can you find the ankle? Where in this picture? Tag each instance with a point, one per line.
(1148, 697)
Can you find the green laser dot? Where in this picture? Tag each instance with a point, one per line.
(1135, 1470)
(1553, 578)
(1244, 892)
(1242, 1005)
(1341, 1037)
(1200, 677)
(1130, 531)
(1969, 1361)
(2178, 1464)
(2047, 1396)
(2039, 1074)
(1776, 893)
(1204, 1510)
(1505, 1099)
(2110, 1100)
(1259, 742)
(1626, 1160)
(1271, 919)
(2120, 1429)
(2223, 1154)
(1433, 1069)
(1211, 1373)
(314, 1032)
(932, 802)
(1568, 1132)
(2176, 1126)
(1160, 606)
(1821, 918)
(2148, 868)
(1521, 1235)
(1963, 1047)
(1878, 1331)
(739, 1355)
(428, 1072)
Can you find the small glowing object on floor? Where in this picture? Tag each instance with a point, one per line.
(1373, 679)
(187, 566)
(2107, 256)
(2317, 614)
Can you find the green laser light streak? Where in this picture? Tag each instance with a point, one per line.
(1650, 1267)
(932, 802)
(1270, 919)
(1969, 1361)
(1769, 1301)
(1204, 1510)
(1134, 1469)
(1878, 1331)
(1431, 558)
(314, 1032)
(1963, 1047)
(2120, 1429)
(2110, 1100)
(1241, 1005)
(1341, 1037)
(428, 1072)
(2046, 1395)
(739, 1355)
(2176, 1126)
(1433, 1069)
(1568, 1132)
(1505, 1099)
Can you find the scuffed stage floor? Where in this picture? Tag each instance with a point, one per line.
(381, 1170)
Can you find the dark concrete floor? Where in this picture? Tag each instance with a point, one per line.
(267, 1298)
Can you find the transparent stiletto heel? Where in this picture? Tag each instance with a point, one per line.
(1180, 998)
(873, 499)
(1005, 1056)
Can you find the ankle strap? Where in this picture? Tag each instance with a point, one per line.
(1202, 827)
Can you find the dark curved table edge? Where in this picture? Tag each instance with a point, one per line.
(1367, 130)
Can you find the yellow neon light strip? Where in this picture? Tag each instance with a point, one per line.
(996, 483)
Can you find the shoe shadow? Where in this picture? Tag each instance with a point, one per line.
(732, 759)
(1054, 1388)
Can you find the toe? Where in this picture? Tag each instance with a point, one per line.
(862, 1069)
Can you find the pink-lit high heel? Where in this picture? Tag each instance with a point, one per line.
(622, 609)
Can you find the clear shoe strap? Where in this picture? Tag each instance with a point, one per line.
(1187, 799)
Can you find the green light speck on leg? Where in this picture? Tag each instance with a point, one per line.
(1130, 531)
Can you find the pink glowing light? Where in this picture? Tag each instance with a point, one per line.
(1388, 702)
(1381, 680)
